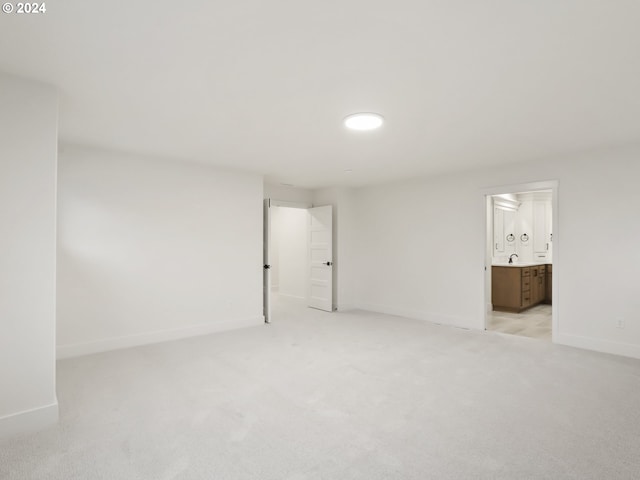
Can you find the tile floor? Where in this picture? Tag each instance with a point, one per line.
(534, 322)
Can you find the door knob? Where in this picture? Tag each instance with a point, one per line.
(328, 264)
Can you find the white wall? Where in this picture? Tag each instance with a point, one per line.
(288, 194)
(289, 266)
(274, 249)
(28, 151)
(152, 250)
(347, 248)
(421, 247)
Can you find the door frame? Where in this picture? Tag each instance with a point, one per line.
(266, 266)
(552, 185)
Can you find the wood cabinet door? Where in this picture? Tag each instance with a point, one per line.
(541, 286)
(534, 285)
(548, 287)
(506, 290)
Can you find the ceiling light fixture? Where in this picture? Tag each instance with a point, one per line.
(363, 121)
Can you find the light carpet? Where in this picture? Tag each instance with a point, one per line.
(340, 396)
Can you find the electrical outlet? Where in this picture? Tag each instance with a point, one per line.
(620, 323)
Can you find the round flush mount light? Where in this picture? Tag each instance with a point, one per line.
(363, 121)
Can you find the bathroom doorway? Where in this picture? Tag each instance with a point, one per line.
(521, 258)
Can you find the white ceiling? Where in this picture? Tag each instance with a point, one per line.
(263, 86)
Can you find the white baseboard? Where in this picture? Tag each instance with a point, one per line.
(345, 307)
(419, 315)
(116, 343)
(604, 346)
(28, 421)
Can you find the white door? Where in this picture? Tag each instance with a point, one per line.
(266, 276)
(321, 258)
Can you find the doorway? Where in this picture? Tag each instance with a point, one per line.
(298, 266)
(288, 253)
(521, 260)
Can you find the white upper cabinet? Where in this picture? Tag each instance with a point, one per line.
(542, 221)
(540, 244)
(523, 226)
(549, 228)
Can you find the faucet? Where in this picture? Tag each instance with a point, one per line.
(511, 257)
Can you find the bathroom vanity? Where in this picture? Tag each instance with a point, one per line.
(516, 287)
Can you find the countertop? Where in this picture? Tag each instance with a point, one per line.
(515, 264)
